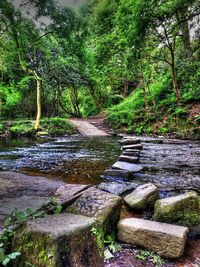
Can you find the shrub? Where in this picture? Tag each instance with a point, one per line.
(57, 126)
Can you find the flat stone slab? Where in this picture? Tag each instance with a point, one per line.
(129, 159)
(142, 197)
(165, 239)
(127, 166)
(136, 146)
(129, 153)
(96, 203)
(14, 184)
(20, 191)
(7, 205)
(59, 240)
(68, 193)
(118, 173)
(129, 141)
(117, 188)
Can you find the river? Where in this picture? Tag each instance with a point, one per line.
(173, 165)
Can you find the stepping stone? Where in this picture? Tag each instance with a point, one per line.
(128, 159)
(127, 166)
(182, 209)
(68, 193)
(142, 197)
(133, 154)
(136, 146)
(166, 240)
(59, 240)
(130, 141)
(102, 205)
(117, 188)
(118, 173)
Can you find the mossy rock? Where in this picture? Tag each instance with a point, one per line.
(105, 207)
(59, 240)
(181, 210)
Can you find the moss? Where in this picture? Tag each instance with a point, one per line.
(184, 213)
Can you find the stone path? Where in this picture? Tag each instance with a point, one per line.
(87, 129)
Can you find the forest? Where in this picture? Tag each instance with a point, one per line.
(99, 133)
(136, 62)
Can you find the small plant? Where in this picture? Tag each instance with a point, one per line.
(155, 259)
(111, 242)
(14, 220)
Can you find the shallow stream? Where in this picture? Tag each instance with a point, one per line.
(174, 165)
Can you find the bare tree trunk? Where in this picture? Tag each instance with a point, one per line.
(174, 78)
(38, 116)
(152, 96)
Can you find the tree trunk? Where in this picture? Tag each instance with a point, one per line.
(174, 78)
(186, 39)
(38, 116)
(152, 96)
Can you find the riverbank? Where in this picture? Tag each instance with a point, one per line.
(54, 126)
(164, 118)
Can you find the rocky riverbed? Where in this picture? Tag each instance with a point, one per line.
(165, 163)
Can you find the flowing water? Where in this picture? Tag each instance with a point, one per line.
(173, 165)
(74, 159)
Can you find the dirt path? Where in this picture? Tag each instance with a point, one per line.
(91, 127)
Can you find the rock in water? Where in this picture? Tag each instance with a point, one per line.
(59, 240)
(142, 197)
(130, 141)
(118, 173)
(127, 166)
(101, 205)
(116, 188)
(165, 239)
(129, 159)
(181, 210)
(136, 146)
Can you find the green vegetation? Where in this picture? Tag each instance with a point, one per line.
(136, 60)
(155, 259)
(15, 220)
(49, 126)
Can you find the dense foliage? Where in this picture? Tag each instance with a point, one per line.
(139, 60)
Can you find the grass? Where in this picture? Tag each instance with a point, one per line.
(52, 126)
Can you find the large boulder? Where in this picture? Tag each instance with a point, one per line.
(142, 197)
(165, 239)
(59, 240)
(182, 209)
(104, 206)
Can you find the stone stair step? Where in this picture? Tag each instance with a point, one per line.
(129, 159)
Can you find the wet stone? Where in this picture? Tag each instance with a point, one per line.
(166, 240)
(118, 173)
(127, 166)
(59, 240)
(102, 205)
(136, 146)
(129, 153)
(142, 197)
(117, 188)
(129, 159)
(129, 141)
